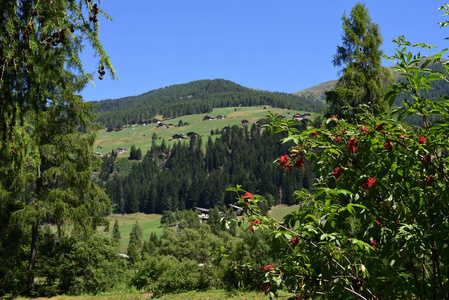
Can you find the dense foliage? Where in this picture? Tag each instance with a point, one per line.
(78, 265)
(194, 256)
(186, 175)
(46, 131)
(192, 98)
(375, 224)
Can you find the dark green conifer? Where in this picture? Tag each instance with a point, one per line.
(116, 233)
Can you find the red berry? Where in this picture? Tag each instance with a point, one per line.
(247, 196)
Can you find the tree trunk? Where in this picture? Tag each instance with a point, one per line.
(33, 251)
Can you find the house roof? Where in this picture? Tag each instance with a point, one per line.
(235, 207)
(201, 209)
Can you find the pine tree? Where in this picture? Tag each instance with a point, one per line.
(360, 55)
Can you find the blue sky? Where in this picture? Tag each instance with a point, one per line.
(283, 45)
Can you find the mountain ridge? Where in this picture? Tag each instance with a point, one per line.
(194, 97)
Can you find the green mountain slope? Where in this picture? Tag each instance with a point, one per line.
(142, 136)
(316, 93)
(193, 98)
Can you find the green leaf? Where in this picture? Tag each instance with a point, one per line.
(351, 209)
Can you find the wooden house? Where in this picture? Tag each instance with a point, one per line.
(307, 116)
(191, 134)
(177, 137)
(297, 117)
(203, 215)
(121, 150)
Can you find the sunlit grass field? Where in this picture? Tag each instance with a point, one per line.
(195, 295)
(280, 211)
(149, 223)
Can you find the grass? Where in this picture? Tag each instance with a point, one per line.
(148, 223)
(124, 296)
(280, 211)
(215, 295)
(206, 295)
(141, 136)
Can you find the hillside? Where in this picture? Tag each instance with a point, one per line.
(316, 93)
(143, 136)
(192, 98)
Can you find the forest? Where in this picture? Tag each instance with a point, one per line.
(185, 175)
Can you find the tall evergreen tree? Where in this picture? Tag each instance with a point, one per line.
(133, 152)
(116, 233)
(135, 237)
(46, 129)
(360, 56)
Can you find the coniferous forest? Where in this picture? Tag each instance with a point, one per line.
(186, 175)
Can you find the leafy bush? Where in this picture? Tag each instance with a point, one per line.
(79, 265)
(375, 225)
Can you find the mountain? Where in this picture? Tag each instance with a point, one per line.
(316, 93)
(193, 98)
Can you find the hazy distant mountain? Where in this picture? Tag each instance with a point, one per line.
(316, 93)
(192, 98)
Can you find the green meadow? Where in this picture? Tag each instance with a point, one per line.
(141, 136)
(149, 223)
(152, 223)
(195, 295)
(280, 211)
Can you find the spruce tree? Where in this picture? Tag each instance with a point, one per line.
(133, 153)
(116, 233)
(133, 254)
(135, 237)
